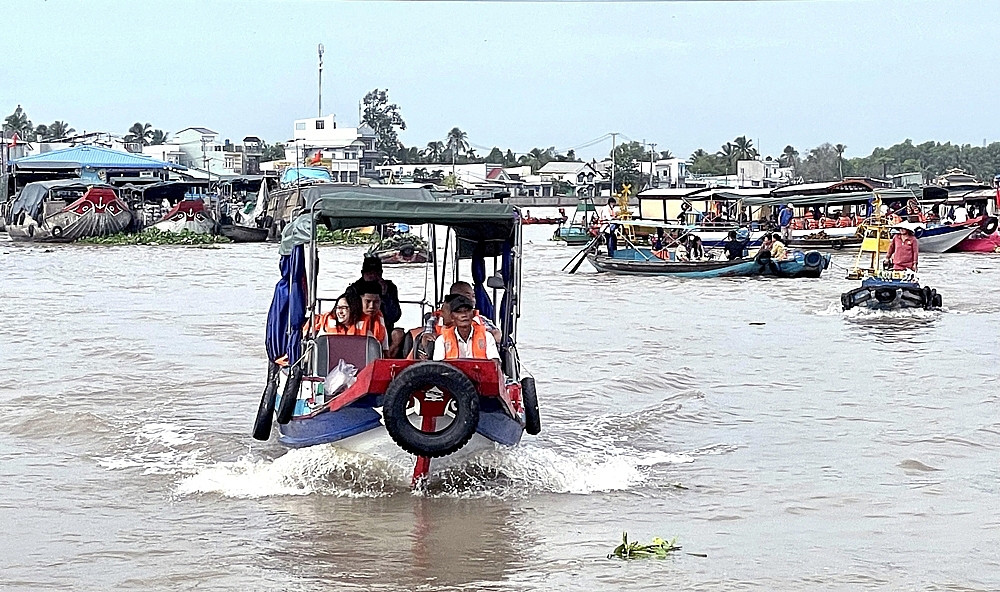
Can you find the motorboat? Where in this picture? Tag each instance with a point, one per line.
(883, 288)
(417, 408)
(66, 210)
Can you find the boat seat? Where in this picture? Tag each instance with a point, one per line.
(358, 350)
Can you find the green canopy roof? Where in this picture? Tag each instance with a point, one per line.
(887, 195)
(354, 209)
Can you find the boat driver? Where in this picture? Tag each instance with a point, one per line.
(465, 339)
(904, 250)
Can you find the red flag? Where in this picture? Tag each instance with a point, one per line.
(13, 140)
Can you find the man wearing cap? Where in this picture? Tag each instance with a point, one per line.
(465, 289)
(464, 339)
(903, 250)
(785, 222)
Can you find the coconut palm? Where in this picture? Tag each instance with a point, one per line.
(789, 156)
(434, 151)
(139, 133)
(666, 155)
(744, 149)
(840, 158)
(728, 153)
(60, 129)
(159, 137)
(18, 122)
(457, 141)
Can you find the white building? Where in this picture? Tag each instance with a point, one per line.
(582, 176)
(198, 148)
(762, 173)
(348, 152)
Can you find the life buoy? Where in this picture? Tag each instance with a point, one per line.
(529, 399)
(422, 377)
(290, 395)
(265, 413)
(989, 225)
(919, 232)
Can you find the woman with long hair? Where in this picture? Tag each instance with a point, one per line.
(344, 319)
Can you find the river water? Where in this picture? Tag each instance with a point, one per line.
(796, 446)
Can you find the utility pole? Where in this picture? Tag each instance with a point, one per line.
(320, 80)
(652, 154)
(614, 144)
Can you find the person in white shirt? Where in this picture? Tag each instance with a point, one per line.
(961, 215)
(465, 339)
(608, 213)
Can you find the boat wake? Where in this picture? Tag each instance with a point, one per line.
(501, 473)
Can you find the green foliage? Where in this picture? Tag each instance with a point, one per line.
(139, 133)
(159, 137)
(821, 164)
(18, 122)
(658, 548)
(326, 236)
(54, 131)
(155, 237)
(626, 157)
(397, 240)
(383, 117)
(274, 151)
(457, 142)
(560, 187)
(495, 156)
(704, 163)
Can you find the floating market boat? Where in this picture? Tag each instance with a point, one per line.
(529, 219)
(639, 260)
(189, 215)
(251, 223)
(66, 210)
(881, 288)
(402, 248)
(578, 230)
(421, 409)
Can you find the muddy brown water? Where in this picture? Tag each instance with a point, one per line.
(819, 450)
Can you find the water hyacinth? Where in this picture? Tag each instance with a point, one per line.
(325, 236)
(635, 550)
(155, 236)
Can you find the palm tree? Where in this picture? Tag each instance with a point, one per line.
(159, 137)
(728, 153)
(139, 133)
(60, 129)
(434, 151)
(840, 158)
(744, 149)
(666, 155)
(788, 156)
(457, 141)
(471, 155)
(18, 122)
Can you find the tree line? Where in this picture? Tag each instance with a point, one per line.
(19, 123)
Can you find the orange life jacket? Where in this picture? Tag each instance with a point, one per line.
(844, 222)
(828, 223)
(478, 342)
(326, 323)
(813, 224)
(374, 325)
(798, 224)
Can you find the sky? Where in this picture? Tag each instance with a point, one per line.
(684, 75)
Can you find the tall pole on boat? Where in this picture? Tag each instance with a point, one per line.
(614, 137)
(320, 80)
(652, 153)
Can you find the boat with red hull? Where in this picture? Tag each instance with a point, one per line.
(66, 210)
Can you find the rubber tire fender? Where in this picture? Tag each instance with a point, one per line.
(286, 407)
(57, 231)
(936, 299)
(845, 301)
(406, 250)
(813, 260)
(763, 258)
(928, 297)
(421, 377)
(989, 225)
(265, 413)
(529, 399)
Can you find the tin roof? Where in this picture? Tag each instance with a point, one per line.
(93, 157)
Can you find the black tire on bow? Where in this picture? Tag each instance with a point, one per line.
(406, 251)
(454, 385)
(928, 297)
(286, 407)
(989, 225)
(845, 301)
(936, 300)
(265, 412)
(529, 398)
(57, 231)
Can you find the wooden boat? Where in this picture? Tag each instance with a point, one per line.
(66, 210)
(415, 409)
(578, 230)
(250, 224)
(402, 248)
(189, 215)
(243, 234)
(643, 262)
(881, 288)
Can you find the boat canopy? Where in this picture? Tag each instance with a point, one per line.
(338, 210)
(888, 195)
(33, 195)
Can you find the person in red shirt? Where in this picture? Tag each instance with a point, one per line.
(903, 250)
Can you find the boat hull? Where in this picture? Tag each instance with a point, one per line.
(980, 244)
(941, 239)
(243, 234)
(809, 265)
(187, 216)
(97, 213)
(890, 295)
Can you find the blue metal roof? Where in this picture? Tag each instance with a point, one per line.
(93, 157)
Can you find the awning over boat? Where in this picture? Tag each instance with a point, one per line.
(887, 195)
(475, 221)
(33, 195)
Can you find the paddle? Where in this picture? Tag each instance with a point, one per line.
(582, 255)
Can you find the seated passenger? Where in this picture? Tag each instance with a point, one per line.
(465, 339)
(371, 318)
(344, 319)
(733, 246)
(466, 289)
(778, 250)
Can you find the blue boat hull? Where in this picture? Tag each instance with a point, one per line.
(643, 262)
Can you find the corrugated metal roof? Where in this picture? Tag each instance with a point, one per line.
(93, 156)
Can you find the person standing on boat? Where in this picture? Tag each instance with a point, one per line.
(608, 212)
(785, 221)
(903, 250)
(465, 339)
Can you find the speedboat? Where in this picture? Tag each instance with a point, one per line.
(881, 288)
(422, 410)
(66, 210)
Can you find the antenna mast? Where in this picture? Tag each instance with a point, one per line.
(320, 80)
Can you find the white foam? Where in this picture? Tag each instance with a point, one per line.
(318, 469)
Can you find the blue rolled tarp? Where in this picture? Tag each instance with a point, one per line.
(285, 318)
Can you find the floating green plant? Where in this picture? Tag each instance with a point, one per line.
(636, 550)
